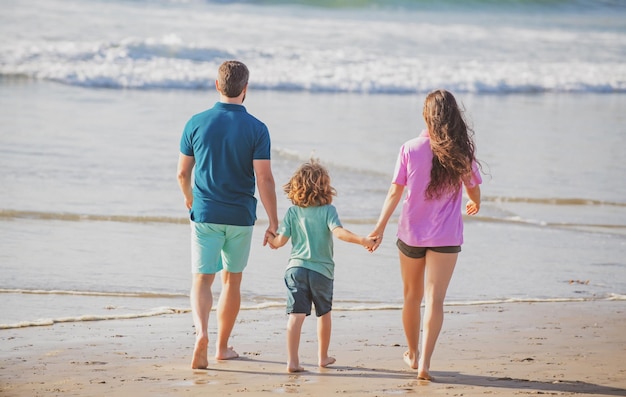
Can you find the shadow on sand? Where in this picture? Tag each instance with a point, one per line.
(441, 378)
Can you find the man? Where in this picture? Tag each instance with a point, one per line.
(229, 148)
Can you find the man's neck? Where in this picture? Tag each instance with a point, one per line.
(235, 101)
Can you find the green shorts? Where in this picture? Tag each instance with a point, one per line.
(215, 247)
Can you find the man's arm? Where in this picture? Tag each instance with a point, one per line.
(185, 168)
(267, 192)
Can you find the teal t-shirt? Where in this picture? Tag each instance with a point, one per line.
(311, 235)
(224, 141)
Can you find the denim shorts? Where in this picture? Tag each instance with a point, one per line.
(306, 287)
(215, 247)
(420, 252)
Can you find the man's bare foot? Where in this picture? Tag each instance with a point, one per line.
(227, 354)
(326, 362)
(294, 368)
(424, 375)
(410, 361)
(200, 360)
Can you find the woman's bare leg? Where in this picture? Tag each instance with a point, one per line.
(412, 271)
(439, 269)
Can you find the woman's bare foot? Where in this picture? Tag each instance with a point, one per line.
(294, 368)
(200, 360)
(227, 354)
(410, 361)
(326, 362)
(424, 375)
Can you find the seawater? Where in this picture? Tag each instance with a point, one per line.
(92, 224)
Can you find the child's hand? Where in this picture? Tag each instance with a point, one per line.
(472, 208)
(369, 243)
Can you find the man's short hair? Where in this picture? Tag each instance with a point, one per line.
(232, 78)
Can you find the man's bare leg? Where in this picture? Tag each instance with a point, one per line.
(227, 311)
(201, 299)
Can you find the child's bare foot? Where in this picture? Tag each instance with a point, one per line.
(200, 360)
(327, 361)
(294, 368)
(227, 354)
(410, 361)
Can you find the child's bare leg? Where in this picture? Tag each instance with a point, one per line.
(324, 326)
(201, 299)
(294, 329)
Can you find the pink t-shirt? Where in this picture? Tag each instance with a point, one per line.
(427, 223)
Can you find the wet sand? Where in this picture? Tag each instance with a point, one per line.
(555, 348)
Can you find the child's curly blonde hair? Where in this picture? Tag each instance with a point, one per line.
(310, 186)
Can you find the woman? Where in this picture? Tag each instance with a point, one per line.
(432, 168)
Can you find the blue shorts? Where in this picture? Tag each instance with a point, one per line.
(306, 287)
(215, 247)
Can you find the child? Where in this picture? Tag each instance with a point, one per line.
(309, 275)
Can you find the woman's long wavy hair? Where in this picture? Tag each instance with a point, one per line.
(451, 141)
(310, 186)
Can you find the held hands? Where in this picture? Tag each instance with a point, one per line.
(377, 238)
(269, 238)
(369, 243)
(472, 207)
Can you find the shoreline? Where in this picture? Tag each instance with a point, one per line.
(572, 348)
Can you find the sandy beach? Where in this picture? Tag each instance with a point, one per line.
(94, 237)
(567, 348)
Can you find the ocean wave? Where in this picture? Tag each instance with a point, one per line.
(294, 158)
(354, 306)
(145, 294)
(587, 5)
(338, 307)
(51, 321)
(554, 201)
(169, 63)
(63, 216)
(536, 222)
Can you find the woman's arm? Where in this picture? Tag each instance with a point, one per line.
(389, 206)
(473, 205)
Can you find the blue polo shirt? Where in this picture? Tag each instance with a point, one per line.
(224, 140)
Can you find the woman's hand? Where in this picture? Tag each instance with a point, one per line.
(377, 237)
(472, 207)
